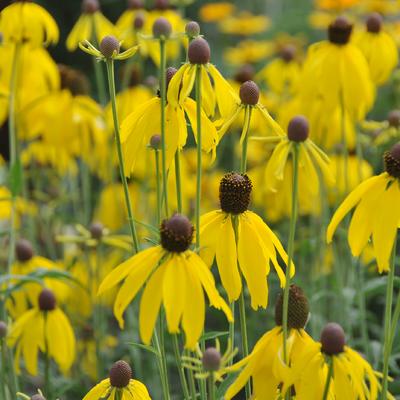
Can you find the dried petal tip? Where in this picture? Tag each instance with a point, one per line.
(298, 129)
(47, 300)
(120, 374)
(288, 53)
(96, 230)
(24, 250)
(3, 329)
(245, 73)
(374, 23)
(109, 45)
(249, 93)
(155, 142)
(135, 4)
(38, 397)
(171, 71)
(339, 31)
(176, 233)
(392, 161)
(298, 308)
(162, 28)
(211, 359)
(90, 6)
(192, 29)
(333, 339)
(234, 193)
(199, 51)
(394, 118)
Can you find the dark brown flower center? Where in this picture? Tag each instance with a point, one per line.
(234, 193)
(24, 250)
(120, 374)
(339, 31)
(298, 129)
(392, 161)
(199, 51)
(109, 45)
(374, 23)
(176, 233)
(249, 93)
(333, 339)
(47, 300)
(298, 308)
(211, 359)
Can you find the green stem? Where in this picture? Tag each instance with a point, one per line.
(13, 382)
(178, 180)
(181, 372)
(211, 387)
(243, 329)
(245, 138)
(86, 190)
(162, 366)
(292, 232)
(395, 320)
(118, 394)
(192, 385)
(232, 329)
(199, 152)
(163, 95)
(158, 191)
(387, 345)
(3, 371)
(111, 85)
(328, 379)
(99, 72)
(345, 153)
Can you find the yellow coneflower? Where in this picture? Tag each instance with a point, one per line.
(333, 369)
(249, 51)
(145, 122)
(264, 365)
(336, 72)
(177, 277)
(338, 5)
(256, 242)
(119, 385)
(27, 22)
(45, 328)
(23, 207)
(244, 23)
(376, 212)
(379, 49)
(92, 24)
(217, 93)
(214, 12)
(127, 19)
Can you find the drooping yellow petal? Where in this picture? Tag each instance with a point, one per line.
(99, 391)
(209, 232)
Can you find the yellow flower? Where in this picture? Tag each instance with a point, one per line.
(336, 72)
(353, 377)
(27, 22)
(248, 52)
(145, 122)
(376, 212)
(126, 21)
(256, 243)
(264, 365)
(45, 328)
(379, 49)
(92, 25)
(244, 23)
(177, 277)
(214, 12)
(311, 158)
(338, 5)
(248, 103)
(216, 91)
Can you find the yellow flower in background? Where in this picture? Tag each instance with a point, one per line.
(44, 326)
(256, 247)
(244, 23)
(27, 262)
(126, 21)
(29, 23)
(353, 377)
(23, 207)
(311, 159)
(119, 385)
(92, 25)
(383, 7)
(379, 49)
(145, 122)
(248, 52)
(320, 19)
(376, 214)
(37, 76)
(217, 94)
(336, 72)
(264, 365)
(215, 11)
(247, 103)
(176, 277)
(338, 5)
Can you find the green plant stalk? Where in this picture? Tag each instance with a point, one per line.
(199, 151)
(163, 95)
(232, 328)
(111, 85)
(13, 380)
(243, 330)
(98, 71)
(245, 135)
(181, 372)
(211, 387)
(292, 232)
(158, 191)
(13, 149)
(395, 320)
(328, 379)
(86, 190)
(118, 394)
(192, 385)
(3, 371)
(178, 180)
(387, 345)
(162, 366)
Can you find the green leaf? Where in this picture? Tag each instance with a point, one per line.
(16, 178)
(151, 349)
(213, 335)
(223, 387)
